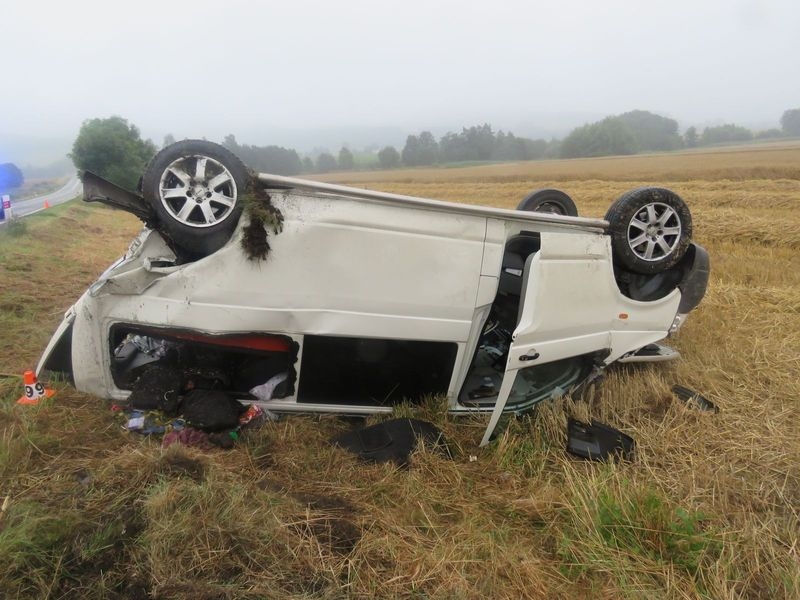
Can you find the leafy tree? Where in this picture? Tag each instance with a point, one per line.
(112, 149)
(630, 132)
(10, 177)
(790, 121)
(453, 148)
(411, 151)
(690, 137)
(169, 139)
(724, 134)
(308, 164)
(651, 131)
(326, 163)
(607, 137)
(389, 157)
(474, 143)
(428, 148)
(346, 161)
(510, 147)
(268, 159)
(481, 140)
(420, 150)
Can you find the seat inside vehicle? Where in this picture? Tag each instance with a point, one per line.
(517, 250)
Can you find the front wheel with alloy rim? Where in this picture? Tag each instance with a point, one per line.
(195, 188)
(650, 229)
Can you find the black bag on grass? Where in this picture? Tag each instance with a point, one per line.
(211, 410)
(149, 390)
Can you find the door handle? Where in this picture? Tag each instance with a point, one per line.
(533, 356)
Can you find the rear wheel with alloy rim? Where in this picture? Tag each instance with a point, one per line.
(650, 228)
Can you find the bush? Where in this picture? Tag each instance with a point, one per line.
(113, 149)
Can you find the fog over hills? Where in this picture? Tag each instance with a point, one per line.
(312, 74)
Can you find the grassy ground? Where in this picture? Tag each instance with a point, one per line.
(709, 508)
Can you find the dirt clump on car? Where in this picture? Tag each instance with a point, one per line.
(262, 213)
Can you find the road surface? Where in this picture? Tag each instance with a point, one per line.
(20, 208)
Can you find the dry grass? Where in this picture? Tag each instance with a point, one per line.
(709, 508)
(775, 160)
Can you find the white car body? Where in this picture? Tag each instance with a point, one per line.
(356, 265)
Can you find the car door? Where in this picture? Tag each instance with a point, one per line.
(566, 308)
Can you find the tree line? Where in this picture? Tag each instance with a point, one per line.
(642, 131)
(478, 143)
(114, 149)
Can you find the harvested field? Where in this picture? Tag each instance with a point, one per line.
(710, 508)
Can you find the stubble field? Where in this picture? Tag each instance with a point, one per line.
(709, 508)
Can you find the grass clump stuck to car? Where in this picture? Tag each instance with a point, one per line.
(263, 215)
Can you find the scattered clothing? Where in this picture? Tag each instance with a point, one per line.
(151, 422)
(188, 436)
(266, 391)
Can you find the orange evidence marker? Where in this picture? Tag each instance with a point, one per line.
(34, 390)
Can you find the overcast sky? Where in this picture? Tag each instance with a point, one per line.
(275, 71)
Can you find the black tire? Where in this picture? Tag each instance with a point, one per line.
(549, 201)
(650, 228)
(196, 188)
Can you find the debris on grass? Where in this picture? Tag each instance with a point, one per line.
(391, 441)
(694, 398)
(598, 441)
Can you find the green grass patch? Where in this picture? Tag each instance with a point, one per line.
(16, 228)
(627, 530)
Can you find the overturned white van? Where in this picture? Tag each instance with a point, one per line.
(367, 299)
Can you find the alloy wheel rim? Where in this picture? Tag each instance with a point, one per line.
(654, 232)
(198, 191)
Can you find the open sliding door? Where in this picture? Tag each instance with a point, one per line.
(567, 307)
